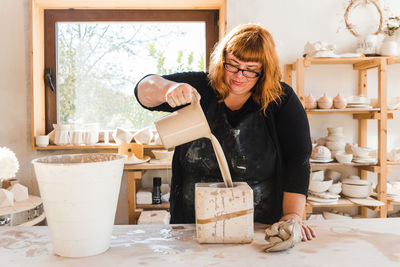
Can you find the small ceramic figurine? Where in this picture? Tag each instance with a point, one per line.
(339, 102)
(325, 102)
(311, 103)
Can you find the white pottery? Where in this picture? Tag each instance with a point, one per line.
(317, 175)
(344, 158)
(321, 152)
(339, 102)
(335, 130)
(143, 136)
(339, 145)
(320, 186)
(311, 102)
(361, 152)
(182, 126)
(6, 198)
(163, 154)
(224, 215)
(334, 175)
(335, 188)
(356, 190)
(42, 140)
(80, 194)
(122, 136)
(91, 136)
(20, 192)
(389, 47)
(394, 155)
(62, 137)
(325, 102)
(77, 137)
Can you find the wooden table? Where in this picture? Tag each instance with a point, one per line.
(358, 242)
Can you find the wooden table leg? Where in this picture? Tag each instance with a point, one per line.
(133, 176)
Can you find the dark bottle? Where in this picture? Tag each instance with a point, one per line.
(156, 190)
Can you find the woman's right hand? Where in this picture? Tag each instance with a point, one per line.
(180, 94)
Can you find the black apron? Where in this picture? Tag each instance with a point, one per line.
(251, 155)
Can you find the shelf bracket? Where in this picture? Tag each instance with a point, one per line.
(366, 64)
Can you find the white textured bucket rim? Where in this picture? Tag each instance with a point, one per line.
(118, 157)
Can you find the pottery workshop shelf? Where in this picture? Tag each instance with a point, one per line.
(344, 110)
(379, 113)
(147, 166)
(84, 147)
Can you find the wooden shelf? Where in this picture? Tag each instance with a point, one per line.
(393, 163)
(380, 114)
(337, 164)
(345, 110)
(162, 206)
(146, 166)
(393, 60)
(84, 147)
(341, 203)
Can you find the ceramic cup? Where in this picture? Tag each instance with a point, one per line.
(77, 137)
(122, 136)
(143, 136)
(42, 140)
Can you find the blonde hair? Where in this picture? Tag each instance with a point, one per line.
(248, 42)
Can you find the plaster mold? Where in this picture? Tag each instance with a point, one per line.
(20, 192)
(6, 198)
(154, 217)
(224, 215)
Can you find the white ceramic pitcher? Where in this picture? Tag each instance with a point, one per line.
(184, 125)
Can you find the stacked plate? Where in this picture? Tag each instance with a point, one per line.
(358, 102)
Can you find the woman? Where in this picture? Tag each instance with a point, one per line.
(259, 121)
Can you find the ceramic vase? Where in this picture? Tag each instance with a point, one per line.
(311, 102)
(339, 102)
(389, 47)
(325, 102)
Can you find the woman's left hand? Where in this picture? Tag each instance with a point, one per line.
(306, 231)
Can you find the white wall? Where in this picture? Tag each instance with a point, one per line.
(292, 23)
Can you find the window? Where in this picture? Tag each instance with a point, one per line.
(95, 58)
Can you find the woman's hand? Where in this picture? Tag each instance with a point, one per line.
(306, 231)
(180, 94)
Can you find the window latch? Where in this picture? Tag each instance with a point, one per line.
(47, 78)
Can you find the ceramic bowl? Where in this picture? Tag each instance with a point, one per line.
(317, 175)
(335, 152)
(339, 145)
(320, 186)
(321, 152)
(335, 188)
(362, 152)
(344, 158)
(162, 154)
(356, 190)
(334, 175)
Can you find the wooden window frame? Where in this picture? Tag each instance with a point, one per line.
(42, 104)
(52, 17)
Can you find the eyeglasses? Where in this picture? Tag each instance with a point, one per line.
(246, 73)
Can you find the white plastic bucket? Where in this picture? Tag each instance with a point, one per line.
(80, 195)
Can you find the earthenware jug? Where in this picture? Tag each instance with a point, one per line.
(184, 125)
